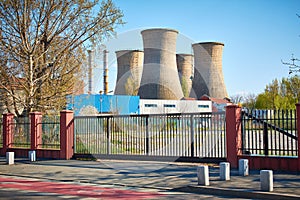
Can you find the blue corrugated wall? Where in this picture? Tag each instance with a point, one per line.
(119, 104)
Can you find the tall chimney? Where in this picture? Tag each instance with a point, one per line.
(105, 74)
(90, 71)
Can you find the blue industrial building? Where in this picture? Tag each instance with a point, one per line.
(94, 104)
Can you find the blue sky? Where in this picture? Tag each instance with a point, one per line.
(257, 34)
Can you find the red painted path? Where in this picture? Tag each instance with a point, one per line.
(74, 189)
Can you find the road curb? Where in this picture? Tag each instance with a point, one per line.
(250, 194)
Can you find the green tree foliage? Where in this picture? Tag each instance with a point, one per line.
(43, 45)
(282, 94)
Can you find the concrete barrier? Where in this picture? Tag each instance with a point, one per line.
(203, 175)
(10, 158)
(243, 167)
(32, 156)
(266, 180)
(224, 171)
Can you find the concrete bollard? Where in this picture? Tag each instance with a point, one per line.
(243, 167)
(203, 175)
(225, 171)
(10, 158)
(266, 180)
(32, 156)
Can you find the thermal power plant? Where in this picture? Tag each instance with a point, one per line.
(208, 74)
(160, 79)
(130, 68)
(185, 66)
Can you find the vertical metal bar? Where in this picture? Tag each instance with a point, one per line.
(265, 140)
(270, 135)
(283, 136)
(287, 137)
(196, 143)
(253, 140)
(276, 134)
(243, 131)
(147, 135)
(108, 135)
(290, 128)
(192, 135)
(293, 131)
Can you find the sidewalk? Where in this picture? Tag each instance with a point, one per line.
(178, 177)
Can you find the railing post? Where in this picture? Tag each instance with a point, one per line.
(266, 140)
(298, 131)
(192, 136)
(147, 135)
(233, 134)
(35, 129)
(66, 134)
(108, 152)
(7, 131)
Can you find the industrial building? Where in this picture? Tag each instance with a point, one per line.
(185, 67)
(156, 80)
(167, 75)
(160, 79)
(208, 73)
(155, 106)
(130, 68)
(100, 104)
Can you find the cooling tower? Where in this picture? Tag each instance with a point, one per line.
(130, 67)
(160, 79)
(208, 74)
(186, 72)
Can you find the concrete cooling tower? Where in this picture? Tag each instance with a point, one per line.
(130, 67)
(160, 79)
(208, 74)
(185, 66)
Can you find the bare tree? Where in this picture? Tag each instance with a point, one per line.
(236, 99)
(294, 67)
(250, 101)
(42, 48)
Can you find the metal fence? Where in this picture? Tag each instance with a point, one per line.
(1, 133)
(50, 132)
(21, 132)
(269, 132)
(175, 135)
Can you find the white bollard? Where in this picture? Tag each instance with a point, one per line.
(225, 171)
(10, 158)
(266, 180)
(32, 156)
(243, 167)
(203, 175)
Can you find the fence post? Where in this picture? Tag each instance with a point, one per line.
(147, 135)
(7, 131)
(192, 136)
(266, 140)
(108, 152)
(298, 130)
(66, 134)
(233, 134)
(35, 129)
